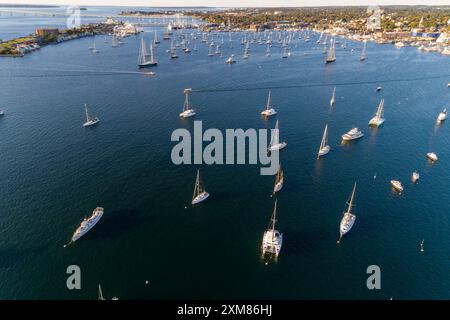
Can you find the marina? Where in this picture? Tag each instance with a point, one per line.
(54, 169)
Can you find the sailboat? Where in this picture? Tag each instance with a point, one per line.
(442, 115)
(363, 53)
(269, 111)
(100, 293)
(275, 143)
(211, 53)
(144, 60)
(88, 224)
(331, 56)
(268, 51)
(114, 42)
(349, 218)
(279, 179)
(188, 111)
(231, 60)
(246, 55)
(272, 238)
(333, 97)
(285, 53)
(90, 121)
(94, 48)
(324, 146)
(378, 119)
(156, 40)
(200, 193)
(173, 51)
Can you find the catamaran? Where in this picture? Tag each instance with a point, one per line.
(144, 60)
(378, 119)
(331, 56)
(269, 111)
(442, 115)
(324, 146)
(200, 193)
(275, 143)
(272, 238)
(90, 121)
(87, 224)
(188, 111)
(353, 134)
(279, 180)
(363, 53)
(349, 217)
(333, 97)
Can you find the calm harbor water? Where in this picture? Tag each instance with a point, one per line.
(53, 172)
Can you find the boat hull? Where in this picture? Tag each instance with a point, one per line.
(91, 123)
(201, 197)
(278, 186)
(187, 114)
(375, 122)
(278, 146)
(77, 235)
(148, 64)
(347, 223)
(272, 244)
(324, 151)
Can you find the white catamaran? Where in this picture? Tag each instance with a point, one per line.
(378, 119)
(200, 193)
(279, 180)
(272, 238)
(269, 111)
(324, 146)
(146, 59)
(188, 111)
(90, 121)
(275, 143)
(349, 218)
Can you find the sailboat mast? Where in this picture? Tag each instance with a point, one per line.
(269, 100)
(197, 185)
(324, 138)
(86, 111)
(350, 205)
(380, 109)
(274, 219)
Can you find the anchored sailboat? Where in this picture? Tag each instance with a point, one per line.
(269, 111)
(275, 143)
(333, 97)
(324, 147)
(87, 224)
(331, 56)
(90, 121)
(272, 238)
(100, 293)
(200, 193)
(378, 119)
(279, 180)
(155, 40)
(363, 53)
(349, 218)
(188, 111)
(146, 59)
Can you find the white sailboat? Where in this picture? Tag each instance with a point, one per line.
(211, 53)
(231, 60)
(269, 111)
(363, 53)
(146, 59)
(285, 52)
(188, 111)
(275, 143)
(324, 146)
(173, 51)
(90, 121)
(331, 55)
(378, 119)
(87, 224)
(100, 293)
(268, 51)
(200, 193)
(333, 97)
(272, 238)
(442, 115)
(349, 218)
(94, 48)
(114, 42)
(156, 40)
(279, 180)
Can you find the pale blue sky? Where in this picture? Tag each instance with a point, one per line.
(229, 3)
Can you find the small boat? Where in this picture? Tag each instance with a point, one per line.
(397, 185)
(448, 85)
(231, 60)
(333, 97)
(363, 53)
(442, 116)
(353, 134)
(272, 238)
(279, 180)
(155, 40)
(100, 293)
(94, 49)
(269, 111)
(188, 111)
(324, 146)
(331, 55)
(421, 245)
(211, 53)
(2, 112)
(432, 156)
(87, 224)
(275, 143)
(378, 119)
(349, 217)
(415, 177)
(379, 88)
(90, 121)
(200, 193)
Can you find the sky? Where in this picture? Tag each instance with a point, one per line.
(229, 3)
